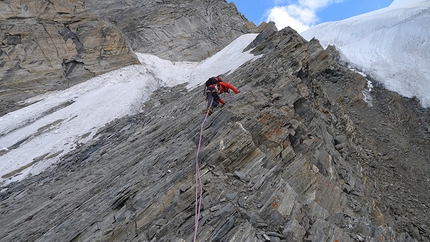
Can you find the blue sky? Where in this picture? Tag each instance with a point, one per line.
(302, 14)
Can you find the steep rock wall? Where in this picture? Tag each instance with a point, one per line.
(52, 45)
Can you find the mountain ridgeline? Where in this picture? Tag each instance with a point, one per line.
(297, 155)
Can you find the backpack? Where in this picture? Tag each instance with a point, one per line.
(213, 80)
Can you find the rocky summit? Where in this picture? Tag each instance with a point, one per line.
(300, 154)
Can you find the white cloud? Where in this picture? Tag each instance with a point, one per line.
(317, 4)
(292, 15)
(299, 16)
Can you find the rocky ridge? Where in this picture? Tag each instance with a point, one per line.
(298, 155)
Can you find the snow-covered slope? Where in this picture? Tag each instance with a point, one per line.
(33, 138)
(391, 45)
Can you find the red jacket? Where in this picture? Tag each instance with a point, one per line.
(224, 87)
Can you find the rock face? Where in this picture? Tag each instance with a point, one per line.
(186, 30)
(52, 45)
(292, 157)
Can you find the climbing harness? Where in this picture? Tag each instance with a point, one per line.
(198, 180)
(212, 88)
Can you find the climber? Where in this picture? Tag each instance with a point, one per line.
(215, 86)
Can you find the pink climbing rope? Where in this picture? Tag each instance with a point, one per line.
(199, 181)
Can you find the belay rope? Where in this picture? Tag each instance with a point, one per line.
(198, 180)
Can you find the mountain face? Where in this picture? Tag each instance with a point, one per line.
(53, 45)
(175, 30)
(300, 154)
